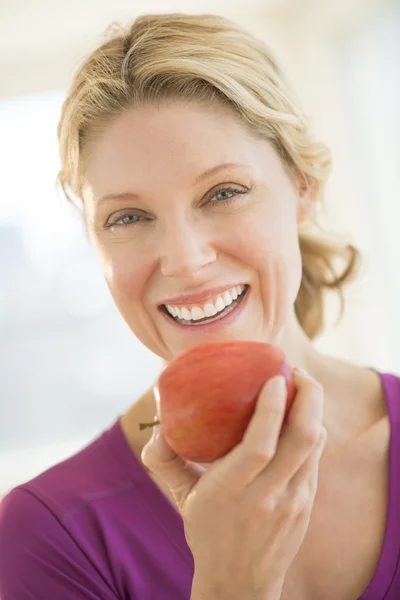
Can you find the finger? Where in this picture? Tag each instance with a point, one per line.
(308, 472)
(298, 496)
(303, 429)
(179, 474)
(244, 463)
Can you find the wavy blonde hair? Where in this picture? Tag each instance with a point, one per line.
(209, 59)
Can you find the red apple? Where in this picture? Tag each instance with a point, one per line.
(209, 392)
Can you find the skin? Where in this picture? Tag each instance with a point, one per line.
(184, 243)
(187, 244)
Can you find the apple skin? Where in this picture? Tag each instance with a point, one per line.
(208, 393)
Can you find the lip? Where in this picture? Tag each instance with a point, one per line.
(199, 297)
(211, 327)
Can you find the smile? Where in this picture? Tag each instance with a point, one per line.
(211, 312)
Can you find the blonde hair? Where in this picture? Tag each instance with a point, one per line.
(206, 58)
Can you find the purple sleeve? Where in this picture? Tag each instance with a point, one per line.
(39, 559)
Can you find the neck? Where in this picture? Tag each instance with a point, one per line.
(299, 349)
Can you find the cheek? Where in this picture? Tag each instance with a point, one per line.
(268, 243)
(127, 280)
(125, 276)
(259, 237)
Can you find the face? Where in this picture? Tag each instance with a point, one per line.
(186, 209)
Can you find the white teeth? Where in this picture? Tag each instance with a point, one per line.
(220, 304)
(195, 313)
(210, 310)
(186, 314)
(172, 310)
(227, 298)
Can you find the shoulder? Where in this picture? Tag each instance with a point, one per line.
(69, 487)
(39, 558)
(54, 523)
(89, 472)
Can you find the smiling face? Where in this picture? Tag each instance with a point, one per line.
(182, 204)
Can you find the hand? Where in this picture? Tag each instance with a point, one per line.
(246, 516)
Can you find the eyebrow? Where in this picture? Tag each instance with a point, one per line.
(205, 175)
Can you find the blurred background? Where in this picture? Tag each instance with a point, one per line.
(69, 365)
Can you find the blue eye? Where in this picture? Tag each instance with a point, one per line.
(129, 219)
(232, 193)
(227, 196)
(124, 220)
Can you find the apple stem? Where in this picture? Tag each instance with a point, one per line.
(144, 425)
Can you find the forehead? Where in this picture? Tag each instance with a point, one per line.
(171, 141)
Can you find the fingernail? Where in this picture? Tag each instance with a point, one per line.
(300, 371)
(277, 384)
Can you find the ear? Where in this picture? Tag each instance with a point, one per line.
(306, 192)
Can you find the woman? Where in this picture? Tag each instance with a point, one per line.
(198, 176)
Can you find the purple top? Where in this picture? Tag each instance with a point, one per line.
(96, 527)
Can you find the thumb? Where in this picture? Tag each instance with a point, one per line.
(179, 474)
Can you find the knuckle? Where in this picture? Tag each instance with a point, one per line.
(323, 434)
(266, 505)
(258, 455)
(297, 501)
(310, 434)
(261, 456)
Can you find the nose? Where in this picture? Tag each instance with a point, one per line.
(185, 249)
